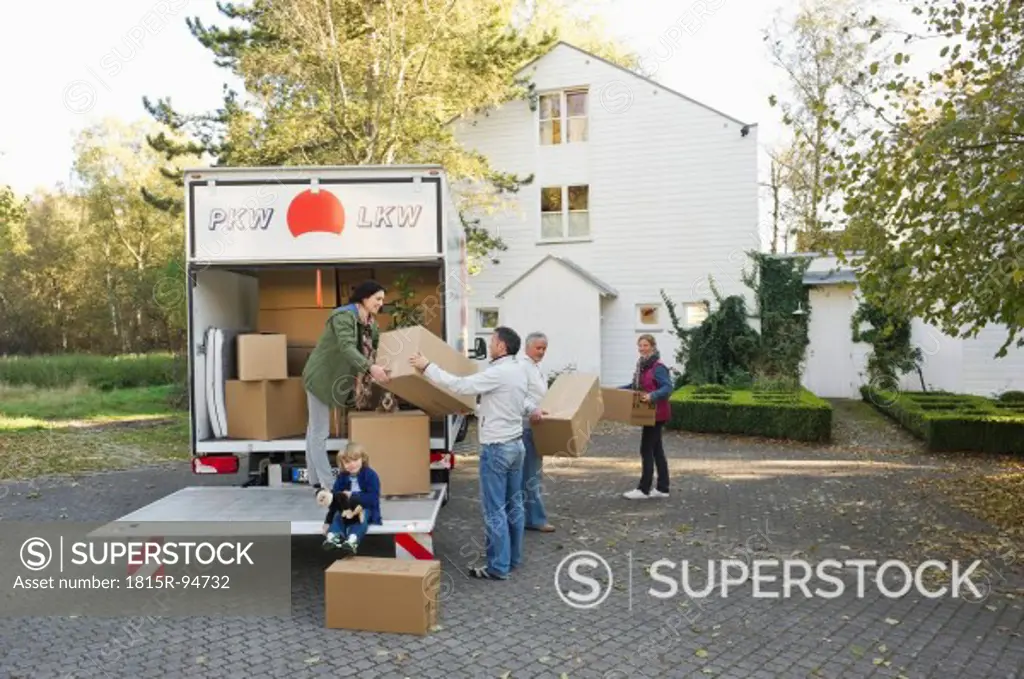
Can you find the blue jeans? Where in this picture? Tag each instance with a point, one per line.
(501, 496)
(533, 470)
(357, 529)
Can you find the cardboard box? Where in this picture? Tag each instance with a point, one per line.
(382, 595)
(262, 357)
(393, 352)
(348, 279)
(302, 327)
(624, 405)
(296, 289)
(574, 408)
(297, 357)
(399, 448)
(266, 410)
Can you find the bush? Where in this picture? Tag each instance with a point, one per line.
(101, 372)
(798, 415)
(956, 423)
(1012, 397)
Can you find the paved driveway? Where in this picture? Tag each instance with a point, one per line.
(730, 498)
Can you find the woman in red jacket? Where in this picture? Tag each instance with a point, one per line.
(652, 377)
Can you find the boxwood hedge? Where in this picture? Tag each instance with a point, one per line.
(955, 422)
(796, 415)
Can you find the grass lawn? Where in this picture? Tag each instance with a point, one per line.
(80, 428)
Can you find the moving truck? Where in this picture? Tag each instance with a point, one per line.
(274, 250)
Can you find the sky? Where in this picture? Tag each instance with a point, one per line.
(94, 64)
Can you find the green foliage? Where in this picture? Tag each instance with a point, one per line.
(725, 350)
(933, 179)
(722, 349)
(403, 308)
(795, 415)
(1012, 396)
(953, 422)
(100, 372)
(891, 352)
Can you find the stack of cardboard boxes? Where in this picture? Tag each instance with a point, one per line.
(263, 402)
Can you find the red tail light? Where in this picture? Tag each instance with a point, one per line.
(215, 464)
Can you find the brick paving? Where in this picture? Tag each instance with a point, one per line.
(730, 498)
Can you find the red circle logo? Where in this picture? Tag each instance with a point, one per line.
(319, 212)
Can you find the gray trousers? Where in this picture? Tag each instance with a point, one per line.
(318, 465)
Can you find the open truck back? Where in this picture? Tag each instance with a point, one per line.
(346, 224)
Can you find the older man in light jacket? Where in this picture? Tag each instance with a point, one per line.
(535, 346)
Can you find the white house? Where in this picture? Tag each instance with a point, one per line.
(836, 366)
(637, 188)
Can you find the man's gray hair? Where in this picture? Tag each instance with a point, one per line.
(533, 337)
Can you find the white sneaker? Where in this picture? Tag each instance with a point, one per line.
(635, 494)
(657, 493)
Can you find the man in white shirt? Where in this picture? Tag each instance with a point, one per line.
(504, 402)
(536, 345)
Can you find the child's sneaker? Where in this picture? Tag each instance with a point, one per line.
(332, 541)
(635, 494)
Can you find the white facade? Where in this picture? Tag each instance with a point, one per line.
(663, 192)
(836, 366)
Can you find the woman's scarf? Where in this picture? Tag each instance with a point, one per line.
(368, 395)
(642, 366)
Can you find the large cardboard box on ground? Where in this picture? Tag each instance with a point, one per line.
(382, 595)
(393, 352)
(302, 327)
(399, 448)
(624, 405)
(574, 408)
(266, 410)
(262, 356)
(296, 289)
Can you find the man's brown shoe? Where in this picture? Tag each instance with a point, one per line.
(546, 528)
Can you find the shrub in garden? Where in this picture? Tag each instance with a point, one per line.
(797, 415)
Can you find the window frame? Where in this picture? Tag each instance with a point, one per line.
(642, 327)
(565, 213)
(479, 312)
(563, 119)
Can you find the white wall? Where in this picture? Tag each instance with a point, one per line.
(559, 303)
(673, 197)
(835, 366)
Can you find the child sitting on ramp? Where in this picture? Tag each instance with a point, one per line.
(353, 504)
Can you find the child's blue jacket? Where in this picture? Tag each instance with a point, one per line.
(369, 491)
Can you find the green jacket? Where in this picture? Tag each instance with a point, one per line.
(332, 367)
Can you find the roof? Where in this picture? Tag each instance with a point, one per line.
(832, 277)
(605, 289)
(635, 75)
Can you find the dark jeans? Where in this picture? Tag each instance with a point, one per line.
(653, 453)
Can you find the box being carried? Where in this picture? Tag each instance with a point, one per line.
(393, 353)
(382, 595)
(624, 405)
(574, 407)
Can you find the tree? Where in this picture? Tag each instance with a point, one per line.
(933, 184)
(351, 82)
(821, 56)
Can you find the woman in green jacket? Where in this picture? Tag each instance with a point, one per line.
(339, 373)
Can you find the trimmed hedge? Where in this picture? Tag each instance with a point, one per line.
(954, 422)
(793, 415)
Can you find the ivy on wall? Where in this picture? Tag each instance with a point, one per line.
(891, 352)
(725, 350)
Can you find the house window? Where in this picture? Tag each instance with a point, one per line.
(564, 212)
(694, 313)
(648, 317)
(563, 117)
(486, 319)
